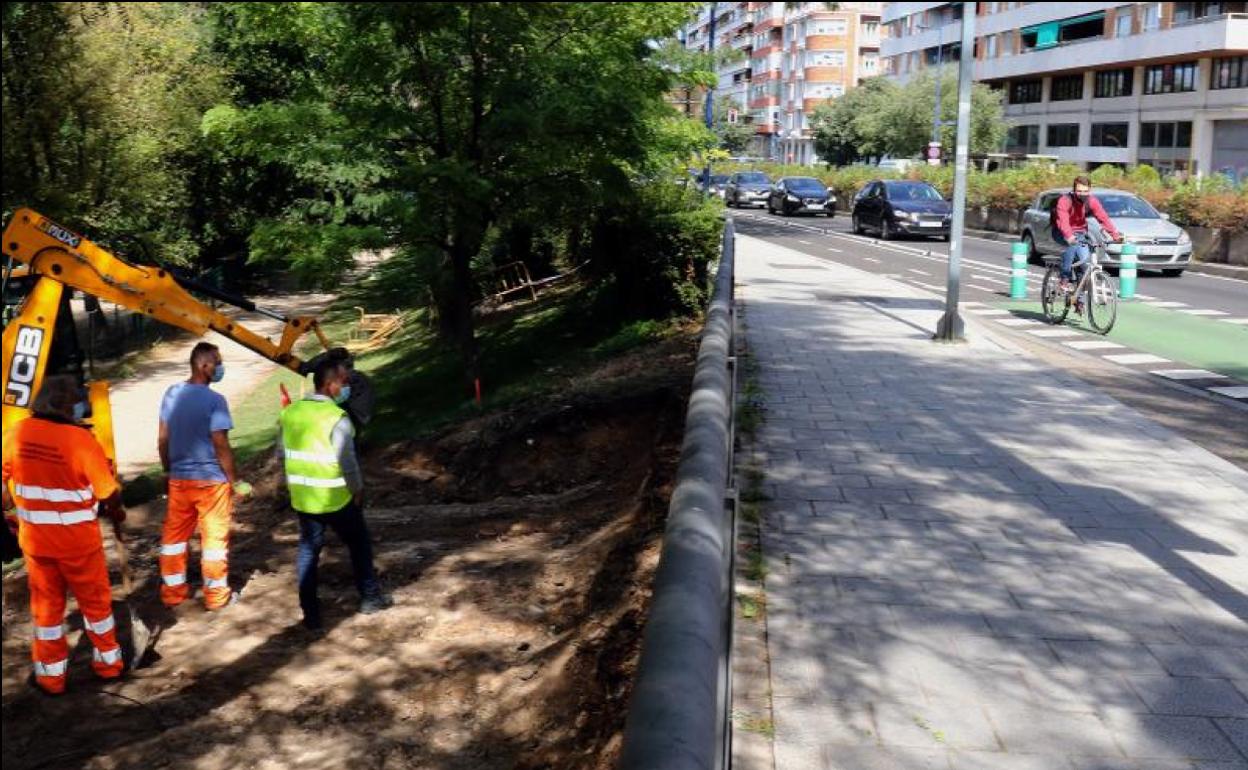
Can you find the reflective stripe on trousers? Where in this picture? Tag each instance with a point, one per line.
(49, 633)
(110, 657)
(51, 669)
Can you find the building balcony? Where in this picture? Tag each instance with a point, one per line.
(1228, 32)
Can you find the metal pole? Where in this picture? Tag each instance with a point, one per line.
(950, 328)
(940, 61)
(710, 96)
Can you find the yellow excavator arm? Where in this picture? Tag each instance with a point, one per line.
(62, 258)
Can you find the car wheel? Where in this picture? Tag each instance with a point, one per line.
(855, 225)
(1032, 254)
(770, 209)
(1172, 273)
(886, 230)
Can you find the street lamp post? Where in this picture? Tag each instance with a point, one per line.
(950, 328)
(710, 97)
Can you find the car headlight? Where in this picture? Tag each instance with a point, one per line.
(791, 197)
(914, 216)
(1184, 238)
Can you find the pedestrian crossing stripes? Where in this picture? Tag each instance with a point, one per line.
(1235, 391)
(1237, 321)
(1055, 333)
(1093, 345)
(1198, 311)
(1137, 358)
(1187, 374)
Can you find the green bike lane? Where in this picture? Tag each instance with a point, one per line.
(1180, 339)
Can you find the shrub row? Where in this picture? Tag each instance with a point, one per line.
(1210, 202)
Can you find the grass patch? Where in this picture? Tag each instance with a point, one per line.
(418, 378)
(755, 566)
(752, 724)
(751, 607)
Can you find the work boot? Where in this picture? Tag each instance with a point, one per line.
(375, 603)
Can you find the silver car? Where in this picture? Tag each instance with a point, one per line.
(1162, 244)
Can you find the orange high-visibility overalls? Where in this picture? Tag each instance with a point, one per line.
(57, 473)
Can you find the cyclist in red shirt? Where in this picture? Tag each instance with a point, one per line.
(1070, 220)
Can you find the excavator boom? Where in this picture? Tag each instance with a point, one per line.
(62, 258)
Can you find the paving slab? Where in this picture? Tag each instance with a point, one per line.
(967, 571)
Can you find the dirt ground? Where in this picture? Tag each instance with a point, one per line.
(519, 548)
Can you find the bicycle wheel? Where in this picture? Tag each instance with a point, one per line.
(1055, 304)
(1102, 301)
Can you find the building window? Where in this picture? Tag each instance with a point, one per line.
(1063, 135)
(990, 46)
(825, 59)
(870, 65)
(1231, 72)
(830, 27)
(1122, 20)
(1190, 11)
(870, 29)
(1023, 139)
(1170, 78)
(1066, 88)
(1109, 134)
(1025, 91)
(1166, 135)
(1152, 17)
(1053, 33)
(1109, 83)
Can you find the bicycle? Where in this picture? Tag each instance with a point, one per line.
(1096, 290)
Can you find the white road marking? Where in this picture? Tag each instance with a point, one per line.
(1187, 374)
(1202, 312)
(975, 304)
(838, 251)
(1237, 321)
(1146, 297)
(871, 259)
(1092, 345)
(1017, 322)
(1235, 391)
(1168, 304)
(988, 289)
(987, 312)
(1137, 358)
(920, 272)
(805, 243)
(1056, 333)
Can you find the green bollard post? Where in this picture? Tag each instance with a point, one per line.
(1127, 268)
(1018, 270)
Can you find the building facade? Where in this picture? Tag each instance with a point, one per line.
(1163, 84)
(793, 56)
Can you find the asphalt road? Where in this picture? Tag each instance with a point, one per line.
(1190, 407)
(986, 262)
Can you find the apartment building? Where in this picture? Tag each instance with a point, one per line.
(1164, 84)
(794, 56)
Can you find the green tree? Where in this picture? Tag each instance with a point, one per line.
(102, 105)
(734, 135)
(434, 127)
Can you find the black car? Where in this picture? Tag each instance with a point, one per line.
(800, 195)
(747, 188)
(895, 207)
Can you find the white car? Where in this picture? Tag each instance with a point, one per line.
(1162, 244)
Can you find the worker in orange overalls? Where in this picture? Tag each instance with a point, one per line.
(55, 472)
(195, 452)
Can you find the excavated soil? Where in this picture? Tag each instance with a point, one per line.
(519, 548)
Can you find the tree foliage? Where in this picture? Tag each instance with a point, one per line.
(445, 130)
(881, 117)
(102, 105)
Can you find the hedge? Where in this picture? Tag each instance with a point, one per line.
(1210, 202)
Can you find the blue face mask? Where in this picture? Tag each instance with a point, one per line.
(80, 411)
(344, 395)
(219, 373)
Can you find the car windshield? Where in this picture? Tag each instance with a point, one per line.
(1127, 207)
(719, 179)
(754, 177)
(912, 191)
(805, 184)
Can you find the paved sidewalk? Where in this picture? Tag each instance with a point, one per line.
(976, 560)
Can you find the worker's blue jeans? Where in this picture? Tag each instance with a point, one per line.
(348, 523)
(1077, 252)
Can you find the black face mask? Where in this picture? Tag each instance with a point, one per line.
(1082, 197)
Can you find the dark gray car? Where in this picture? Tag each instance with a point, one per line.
(747, 188)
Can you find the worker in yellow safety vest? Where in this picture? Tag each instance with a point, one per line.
(316, 444)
